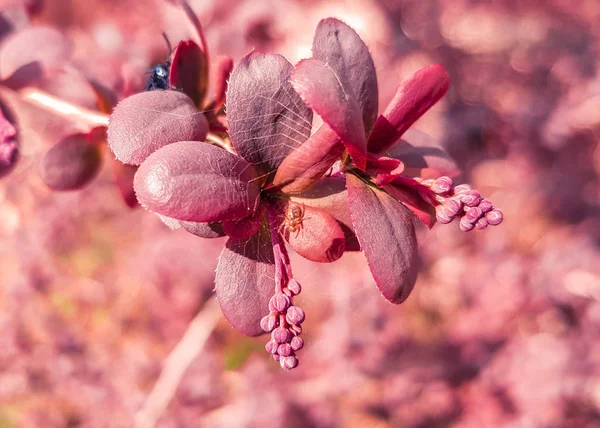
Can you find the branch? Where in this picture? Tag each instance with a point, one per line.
(177, 363)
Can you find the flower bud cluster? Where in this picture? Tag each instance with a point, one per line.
(463, 203)
(284, 323)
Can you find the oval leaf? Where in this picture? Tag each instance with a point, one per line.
(324, 92)
(318, 237)
(147, 121)
(188, 71)
(306, 165)
(203, 230)
(244, 281)
(267, 119)
(196, 181)
(386, 234)
(413, 97)
(338, 46)
(71, 163)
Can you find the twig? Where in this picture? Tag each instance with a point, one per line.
(176, 364)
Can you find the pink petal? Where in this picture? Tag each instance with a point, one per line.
(410, 199)
(267, 119)
(196, 181)
(244, 282)
(387, 236)
(188, 71)
(338, 46)
(203, 230)
(33, 52)
(147, 121)
(423, 156)
(414, 96)
(319, 238)
(323, 91)
(71, 163)
(308, 163)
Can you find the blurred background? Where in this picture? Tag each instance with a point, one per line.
(503, 327)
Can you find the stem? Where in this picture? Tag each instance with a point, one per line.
(176, 364)
(282, 271)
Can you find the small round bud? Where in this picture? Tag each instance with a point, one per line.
(294, 315)
(471, 198)
(461, 188)
(285, 350)
(485, 205)
(442, 216)
(276, 357)
(297, 343)
(465, 226)
(268, 323)
(288, 363)
(481, 224)
(452, 207)
(473, 215)
(428, 183)
(494, 217)
(296, 329)
(442, 185)
(279, 303)
(272, 347)
(294, 287)
(281, 335)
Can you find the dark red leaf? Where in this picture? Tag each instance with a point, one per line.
(318, 237)
(224, 68)
(413, 97)
(71, 163)
(338, 46)
(386, 234)
(325, 93)
(384, 169)
(244, 281)
(124, 180)
(411, 199)
(9, 147)
(188, 71)
(306, 165)
(148, 121)
(246, 227)
(198, 182)
(267, 119)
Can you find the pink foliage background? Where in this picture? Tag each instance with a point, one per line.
(503, 328)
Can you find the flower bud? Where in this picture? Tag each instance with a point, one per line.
(297, 343)
(281, 335)
(452, 207)
(296, 329)
(442, 185)
(485, 205)
(465, 225)
(473, 215)
(294, 315)
(285, 350)
(471, 198)
(268, 323)
(279, 303)
(288, 363)
(482, 223)
(494, 217)
(461, 188)
(442, 216)
(294, 287)
(272, 347)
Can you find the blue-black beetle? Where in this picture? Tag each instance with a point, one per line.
(159, 76)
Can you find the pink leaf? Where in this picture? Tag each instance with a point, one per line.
(423, 156)
(413, 97)
(387, 236)
(34, 51)
(224, 68)
(203, 230)
(198, 182)
(323, 91)
(147, 121)
(267, 119)
(318, 238)
(411, 200)
(188, 71)
(338, 46)
(306, 165)
(384, 168)
(244, 281)
(71, 163)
